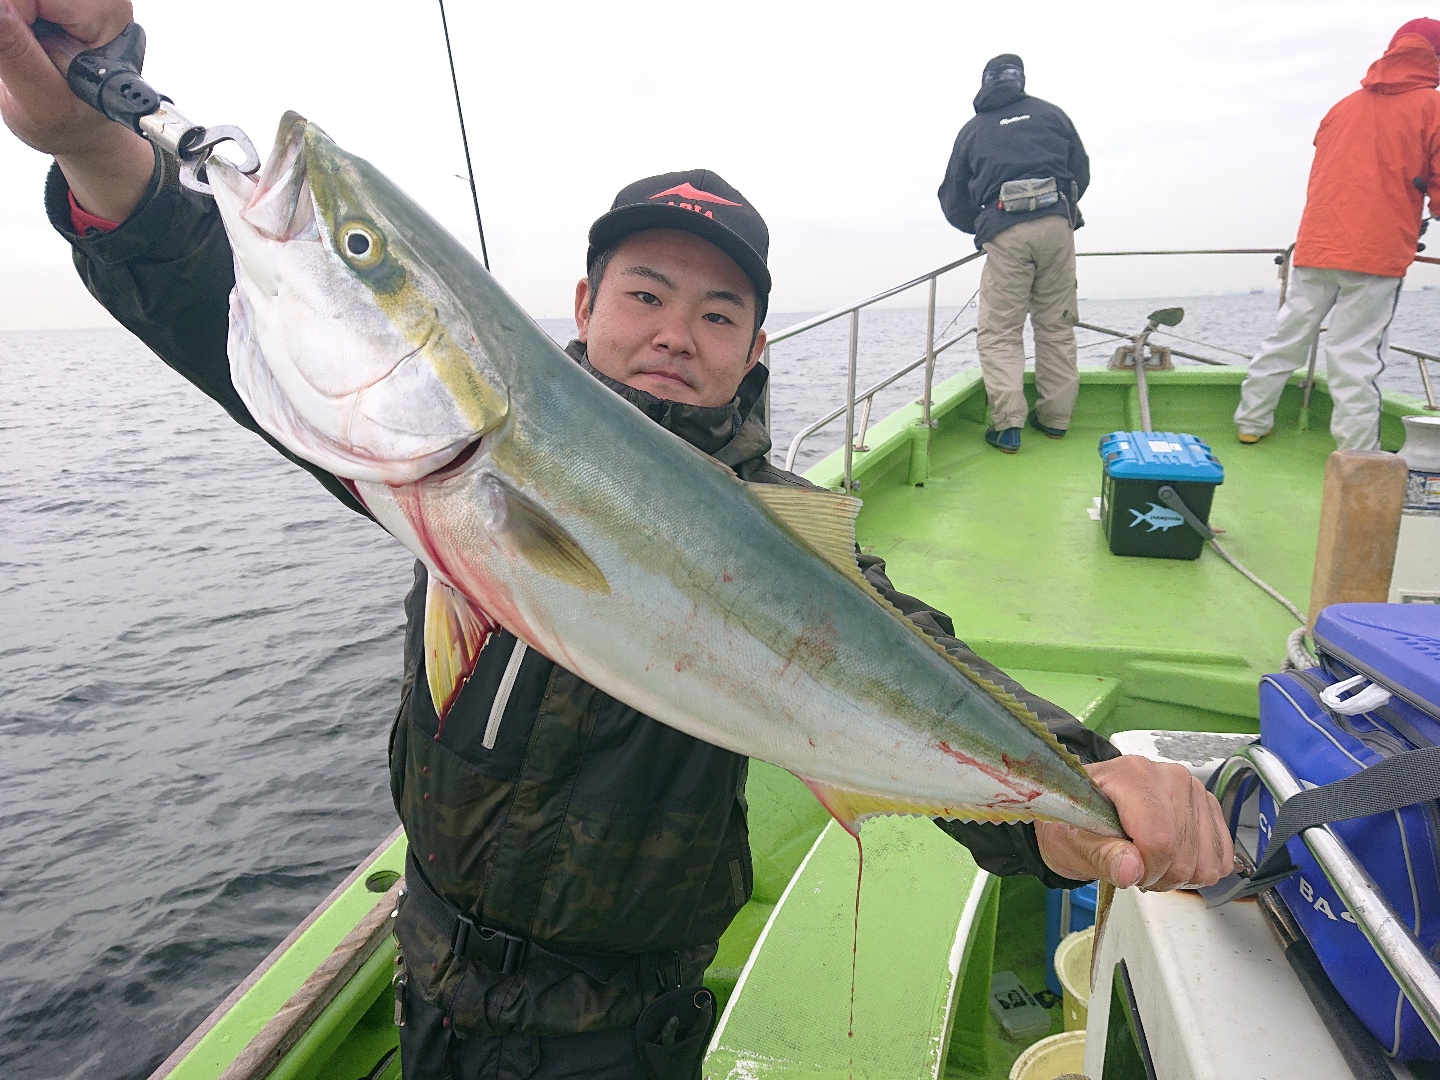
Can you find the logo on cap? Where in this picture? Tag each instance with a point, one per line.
(689, 192)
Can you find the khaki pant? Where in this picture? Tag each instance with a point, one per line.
(1354, 350)
(1029, 268)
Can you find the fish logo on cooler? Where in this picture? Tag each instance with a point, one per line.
(1158, 517)
(693, 197)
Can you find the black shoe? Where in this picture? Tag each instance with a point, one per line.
(1051, 432)
(1007, 441)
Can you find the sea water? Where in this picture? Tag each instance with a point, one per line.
(200, 660)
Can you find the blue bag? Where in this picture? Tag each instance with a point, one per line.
(1380, 681)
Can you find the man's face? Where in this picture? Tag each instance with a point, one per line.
(673, 316)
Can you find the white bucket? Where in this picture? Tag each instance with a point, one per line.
(1058, 1055)
(1072, 968)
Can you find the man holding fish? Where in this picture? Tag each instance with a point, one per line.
(606, 623)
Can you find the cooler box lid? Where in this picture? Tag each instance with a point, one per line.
(1397, 644)
(1159, 455)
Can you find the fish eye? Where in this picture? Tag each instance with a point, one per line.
(361, 245)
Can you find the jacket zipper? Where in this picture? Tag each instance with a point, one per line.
(502, 694)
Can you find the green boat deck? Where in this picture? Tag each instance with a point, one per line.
(1007, 546)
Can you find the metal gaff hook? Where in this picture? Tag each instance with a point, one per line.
(108, 80)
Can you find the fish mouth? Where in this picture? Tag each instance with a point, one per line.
(276, 203)
(314, 354)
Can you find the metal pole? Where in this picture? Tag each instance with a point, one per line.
(1140, 387)
(1285, 273)
(1425, 382)
(860, 446)
(763, 405)
(929, 353)
(1309, 383)
(850, 399)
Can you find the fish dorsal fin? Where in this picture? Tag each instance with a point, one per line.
(455, 632)
(824, 520)
(544, 543)
(850, 808)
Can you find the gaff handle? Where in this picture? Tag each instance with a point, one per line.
(107, 78)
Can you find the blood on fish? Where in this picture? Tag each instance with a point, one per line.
(855, 942)
(1000, 776)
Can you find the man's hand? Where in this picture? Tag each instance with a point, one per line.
(1177, 834)
(108, 165)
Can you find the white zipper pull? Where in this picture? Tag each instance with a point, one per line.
(1367, 700)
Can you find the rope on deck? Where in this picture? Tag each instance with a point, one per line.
(1297, 657)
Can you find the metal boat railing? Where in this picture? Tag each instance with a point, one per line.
(1416, 973)
(853, 310)
(865, 399)
(857, 441)
(1420, 359)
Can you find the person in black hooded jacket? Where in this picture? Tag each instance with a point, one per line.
(1029, 245)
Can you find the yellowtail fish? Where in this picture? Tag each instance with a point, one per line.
(368, 341)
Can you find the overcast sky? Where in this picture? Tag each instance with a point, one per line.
(834, 120)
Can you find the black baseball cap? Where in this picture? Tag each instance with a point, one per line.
(698, 201)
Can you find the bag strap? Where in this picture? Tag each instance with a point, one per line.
(1389, 785)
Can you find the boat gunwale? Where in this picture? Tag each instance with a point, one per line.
(193, 1040)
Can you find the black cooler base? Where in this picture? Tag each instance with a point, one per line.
(1136, 522)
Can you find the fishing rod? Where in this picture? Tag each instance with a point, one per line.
(464, 139)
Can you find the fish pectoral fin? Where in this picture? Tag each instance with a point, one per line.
(850, 808)
(824, 520)
(544, 542)
(455, 632)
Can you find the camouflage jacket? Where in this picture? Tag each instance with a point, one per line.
(583, 825)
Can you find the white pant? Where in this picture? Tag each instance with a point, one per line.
(1355, 348)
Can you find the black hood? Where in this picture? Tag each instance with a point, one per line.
(999, 94)
(996, 93)
(715, 429)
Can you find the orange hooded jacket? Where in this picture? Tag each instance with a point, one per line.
(1362, 208)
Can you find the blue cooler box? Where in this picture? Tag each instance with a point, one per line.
(1395, 647)
(1082, 914)
(1136, 464)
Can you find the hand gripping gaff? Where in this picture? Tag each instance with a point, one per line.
(108, 80)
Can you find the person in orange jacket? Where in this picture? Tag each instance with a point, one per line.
(1377, 157)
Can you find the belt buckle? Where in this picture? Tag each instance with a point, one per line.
(496, 949)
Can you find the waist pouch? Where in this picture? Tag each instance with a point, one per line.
(673, 1032)
(492, 983)
(1400, 848)
(1020, 196)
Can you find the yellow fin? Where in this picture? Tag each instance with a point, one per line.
(850, 808)
(455, 632)
(545, 544)
(824, 520)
